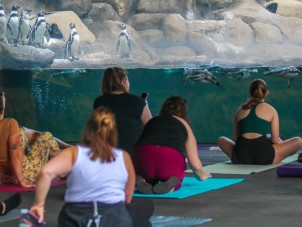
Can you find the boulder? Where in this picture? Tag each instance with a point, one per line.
(124, 8)
(80, 7)
(63, 19)
(101, 12)
(152, 37)
(174, 28)
(289, 8)
(24, 57)
(186, 8)
(266, 33)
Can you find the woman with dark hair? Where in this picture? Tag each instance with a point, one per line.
(131, 111)
(100, 180)
(252, 122)
(159, 155)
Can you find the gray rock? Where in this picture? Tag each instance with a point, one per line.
(266, 33)
(186, 8)
(24, 57)
(101, 12)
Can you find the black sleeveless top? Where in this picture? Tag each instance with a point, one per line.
(164, 130)
(253, 124)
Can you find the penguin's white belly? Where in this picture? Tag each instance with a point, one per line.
(39, 34)
(124, 49)
(24, 31)
(75, 45)
(2, 28)
(14, 24)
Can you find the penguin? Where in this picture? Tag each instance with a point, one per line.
(123, 45)
(73, 45)
(24, 26)
(39, 31)
(3, 25)
(201, 76)
(13, 25)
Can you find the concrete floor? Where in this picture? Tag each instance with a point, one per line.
(262, 199)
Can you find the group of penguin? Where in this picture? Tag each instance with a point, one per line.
(15, 30)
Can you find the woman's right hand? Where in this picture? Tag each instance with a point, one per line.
(25, 184)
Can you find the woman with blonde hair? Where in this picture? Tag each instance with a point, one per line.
(252, 122)
(100, 179)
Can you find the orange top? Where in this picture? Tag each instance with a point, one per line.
(8, 127)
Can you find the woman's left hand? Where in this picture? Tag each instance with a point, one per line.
(38, 211)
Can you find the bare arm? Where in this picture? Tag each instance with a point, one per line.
(129, 189)
(235, 125)
(146, 115)
(275, 127)
(192, 154)
(16, 159)
(60, 165)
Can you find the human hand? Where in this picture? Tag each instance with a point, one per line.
(201, 175)
(38, 211)
(25, 184)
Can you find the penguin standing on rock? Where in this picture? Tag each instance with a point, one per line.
(24, 26)
(3, 25)
(73, 45)
(39, 31)
(13, 25)
(123, 45)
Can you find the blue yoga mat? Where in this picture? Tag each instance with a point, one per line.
(191, 186)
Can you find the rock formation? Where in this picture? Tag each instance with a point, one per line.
(172, 33)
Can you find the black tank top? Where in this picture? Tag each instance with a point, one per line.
(165, 130)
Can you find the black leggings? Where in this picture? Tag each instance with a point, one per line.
(137, 213)
(257, 151)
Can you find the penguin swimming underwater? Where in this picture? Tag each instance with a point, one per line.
(3, 25)
(24, 26)
(73, 45)
(201, 76)
(123, 45)
(13, 25)
(290, 72)
(39, 31)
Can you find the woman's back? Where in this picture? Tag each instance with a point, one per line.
(128, 110)
(94, 181)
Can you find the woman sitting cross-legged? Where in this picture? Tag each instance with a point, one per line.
(100, 180)
(160, 152)
(252, 122)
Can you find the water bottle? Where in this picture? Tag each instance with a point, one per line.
(22, 222)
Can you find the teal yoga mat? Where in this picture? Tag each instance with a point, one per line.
(191, 186)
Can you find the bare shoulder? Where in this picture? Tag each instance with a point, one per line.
(267, 106)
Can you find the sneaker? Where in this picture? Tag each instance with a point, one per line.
(167, 186)
(143, 186)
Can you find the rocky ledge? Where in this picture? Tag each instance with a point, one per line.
(170, 33)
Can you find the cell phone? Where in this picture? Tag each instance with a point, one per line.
(144, 95)
(32, 220)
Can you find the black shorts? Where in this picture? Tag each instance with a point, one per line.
(257, 151)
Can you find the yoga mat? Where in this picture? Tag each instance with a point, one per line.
(173, 221)
(12, 215)
(18, 188)
(191, 186)
(229, 168)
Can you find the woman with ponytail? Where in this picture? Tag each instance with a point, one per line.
(252, 122)
(100, 180)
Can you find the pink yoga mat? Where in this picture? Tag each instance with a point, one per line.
(18, 188)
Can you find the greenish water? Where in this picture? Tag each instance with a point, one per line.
(60, 101)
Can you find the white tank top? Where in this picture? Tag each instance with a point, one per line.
(91, 181)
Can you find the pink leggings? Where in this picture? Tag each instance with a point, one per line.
(158, 163)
